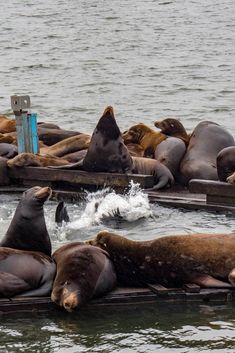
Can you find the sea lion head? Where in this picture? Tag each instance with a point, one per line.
(135, 133)
(34, 199)
(23, 160)
(66, 295)
(170, 126)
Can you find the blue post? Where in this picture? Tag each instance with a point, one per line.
(26, 125)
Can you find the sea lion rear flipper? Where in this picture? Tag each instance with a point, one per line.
(61, 213)
(207, 281)
(11, 285)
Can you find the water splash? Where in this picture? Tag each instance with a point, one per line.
(106, 204)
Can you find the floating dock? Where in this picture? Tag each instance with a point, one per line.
(126, 296)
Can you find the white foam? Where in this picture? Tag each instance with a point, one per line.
(106, 203)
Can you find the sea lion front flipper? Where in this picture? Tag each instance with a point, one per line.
(207, 281)
(77, 165)
(61, 214)
(11, 285)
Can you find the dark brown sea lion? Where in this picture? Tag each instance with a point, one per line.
(51, 136)
(199, 161)
(27, 230)
(204, 259)
(225, 162)
(170, 153)
(147, 166)
(107, 151)
(7, 124)
(8, 150)
(4, 178)
(83, 272)
(35, 160)
(174, 128)
(47, 125)
(25, 273)
(75, 156)
(68, 145)
(146, 137)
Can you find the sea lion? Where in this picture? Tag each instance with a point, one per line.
(35, 160)
(146, 137)
(174, 128)
(83, 272)
(8, 150)
(170, 153)
(147, 166)
(199, 161)
(75, 156)
(27, 230)
(231, 179)
(107, 151)
(135, 149)
(68, 145)
(41, 124)
(25, 273)
(4, 178)
(204, 259)
(4, 138)
(51, 136)
(61, 214)
(225, 163)
(7, 124)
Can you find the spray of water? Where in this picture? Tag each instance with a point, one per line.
(106, 203)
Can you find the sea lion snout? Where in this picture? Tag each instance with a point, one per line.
(43, 193)
(71, 301)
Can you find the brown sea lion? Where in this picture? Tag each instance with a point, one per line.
(68, 145)
(47, 125)
(145, 137)
(174, 128)
(199, 161)
(51, 136)
(204, 259)
(25, 273)
(27, 230)
(4, 178)
(83, 272)
(7, 124)
(147, 166)
(4, 138)
(35, 160)
(170, 153)
(135, 150)
(107, 151)
(225, 163)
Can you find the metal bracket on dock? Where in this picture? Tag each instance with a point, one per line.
(26, 125)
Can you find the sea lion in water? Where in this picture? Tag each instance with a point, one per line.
(147, 166)
(170, 153)
(204, 259)
(199, 161)
(225, 162)
(174, 128)
(107, 151)
(146, 137)
(8, 150)
(27, 230)
(83, 272)
(25, 273)
(7, 124)
(68, 145)
(35, 160)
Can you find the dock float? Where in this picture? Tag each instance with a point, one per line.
(126, 296)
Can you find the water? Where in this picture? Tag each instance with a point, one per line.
(149, 59)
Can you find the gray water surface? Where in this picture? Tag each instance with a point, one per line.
(149, 59)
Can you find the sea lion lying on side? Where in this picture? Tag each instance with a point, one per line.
(35, 160)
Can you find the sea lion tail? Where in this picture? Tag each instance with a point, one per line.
(61, 214)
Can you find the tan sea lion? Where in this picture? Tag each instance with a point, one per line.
(83, 272)
(7, 124)
(35, 160)
(199, 161)
(204, 259)
(174, 128)
(135, 149)
(68, 145)
(225, 163)
(146, 137)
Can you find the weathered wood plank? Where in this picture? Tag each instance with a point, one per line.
(79, 178)
(211, 187)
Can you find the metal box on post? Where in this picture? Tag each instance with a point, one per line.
(26, 125)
